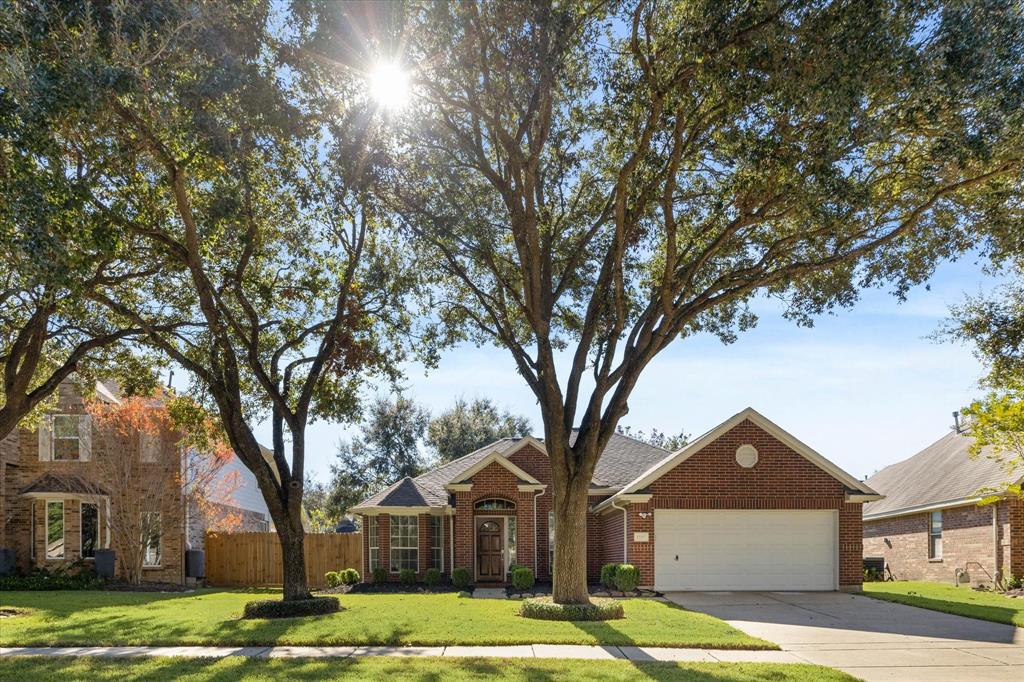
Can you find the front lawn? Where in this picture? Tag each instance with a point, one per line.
(962, 601)
(212, 617)
(28, 669)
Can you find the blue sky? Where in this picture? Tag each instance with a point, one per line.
(865, 387)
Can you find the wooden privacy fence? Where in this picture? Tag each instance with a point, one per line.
(254, 559)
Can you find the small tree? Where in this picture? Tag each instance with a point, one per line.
(149, 464)
(469, 425)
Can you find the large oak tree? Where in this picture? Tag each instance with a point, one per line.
(597, 180)
(249, 187)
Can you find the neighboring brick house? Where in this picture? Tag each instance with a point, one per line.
(745, 506)
(54, 508)
(930, 526)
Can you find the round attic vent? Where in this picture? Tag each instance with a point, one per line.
(746, 456)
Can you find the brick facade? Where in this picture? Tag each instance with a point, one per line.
(709, 479)
(971, 542)
(21, 466)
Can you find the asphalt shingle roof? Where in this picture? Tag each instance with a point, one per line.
(623, 459)
(942, 472)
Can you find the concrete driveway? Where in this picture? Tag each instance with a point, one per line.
(868, 638)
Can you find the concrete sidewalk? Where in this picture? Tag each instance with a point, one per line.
(631, 653)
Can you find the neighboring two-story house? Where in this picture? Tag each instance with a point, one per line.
(57, 499)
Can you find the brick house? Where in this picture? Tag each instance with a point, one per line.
(930, 526)
(745, 506)
(54, 508)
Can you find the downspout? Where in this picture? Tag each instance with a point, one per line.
(536, 566)
(997, 576)
(451, 541)
(625, 533)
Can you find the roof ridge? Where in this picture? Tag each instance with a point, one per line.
(468, 454)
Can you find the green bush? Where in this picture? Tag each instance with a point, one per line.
(460, 578)
(350, 576)
(333, 578)
(74, 576)
(407, 576)
(608, 576)
(627, 577)
(522, 578)
(275, 608)
(380, 576)
(543, 608)
(432, 577)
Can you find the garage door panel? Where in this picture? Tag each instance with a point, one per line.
(745, 549)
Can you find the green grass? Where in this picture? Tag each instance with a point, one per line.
(27, 669)
(962, 601)
(212, 617)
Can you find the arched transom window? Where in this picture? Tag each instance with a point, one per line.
(494, 504)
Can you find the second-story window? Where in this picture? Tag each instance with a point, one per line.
(66, 440)
(66, 437)
(149, 446)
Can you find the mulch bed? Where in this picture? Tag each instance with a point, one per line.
(544, 589)
(145, 587)
(390, 588)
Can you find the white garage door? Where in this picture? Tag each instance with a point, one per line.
(745, 550)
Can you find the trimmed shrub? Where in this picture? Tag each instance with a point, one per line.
(61, 578)
(275, 608)
(432, 577)
(627, 577)
(460, 578)
(543, 608)
(333, 578)
(522, 578)
(380, 576)
(608, 576)
(350, 576)
(407, 576)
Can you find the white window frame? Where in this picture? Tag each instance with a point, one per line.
(373, 542)
(77, 437)
(149, 446)
(437, 542)
(146, 563)
(551, 542)
(935, 538)
(396, 524)
(63, 531)
(33, 532)
(81, 529)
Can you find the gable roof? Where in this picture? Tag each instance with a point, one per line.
(623, 458)
(500, 458)
(668, 463)
(942, 475)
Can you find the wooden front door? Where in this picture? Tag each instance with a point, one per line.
(490, 560)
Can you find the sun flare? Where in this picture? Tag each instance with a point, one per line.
(389, 85)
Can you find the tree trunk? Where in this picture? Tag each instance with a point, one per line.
(570, 569)
(292, 554)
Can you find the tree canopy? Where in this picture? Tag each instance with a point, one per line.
(471, 424)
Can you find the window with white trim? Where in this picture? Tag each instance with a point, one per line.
(55, 529)
(435, 542)
(371, 539)
(149, 446)
(551, 542)
(935, 535)
(510, 539)
(32, 531)
(90, 529)
(66, 439)
(151, 532)
(404, 543)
